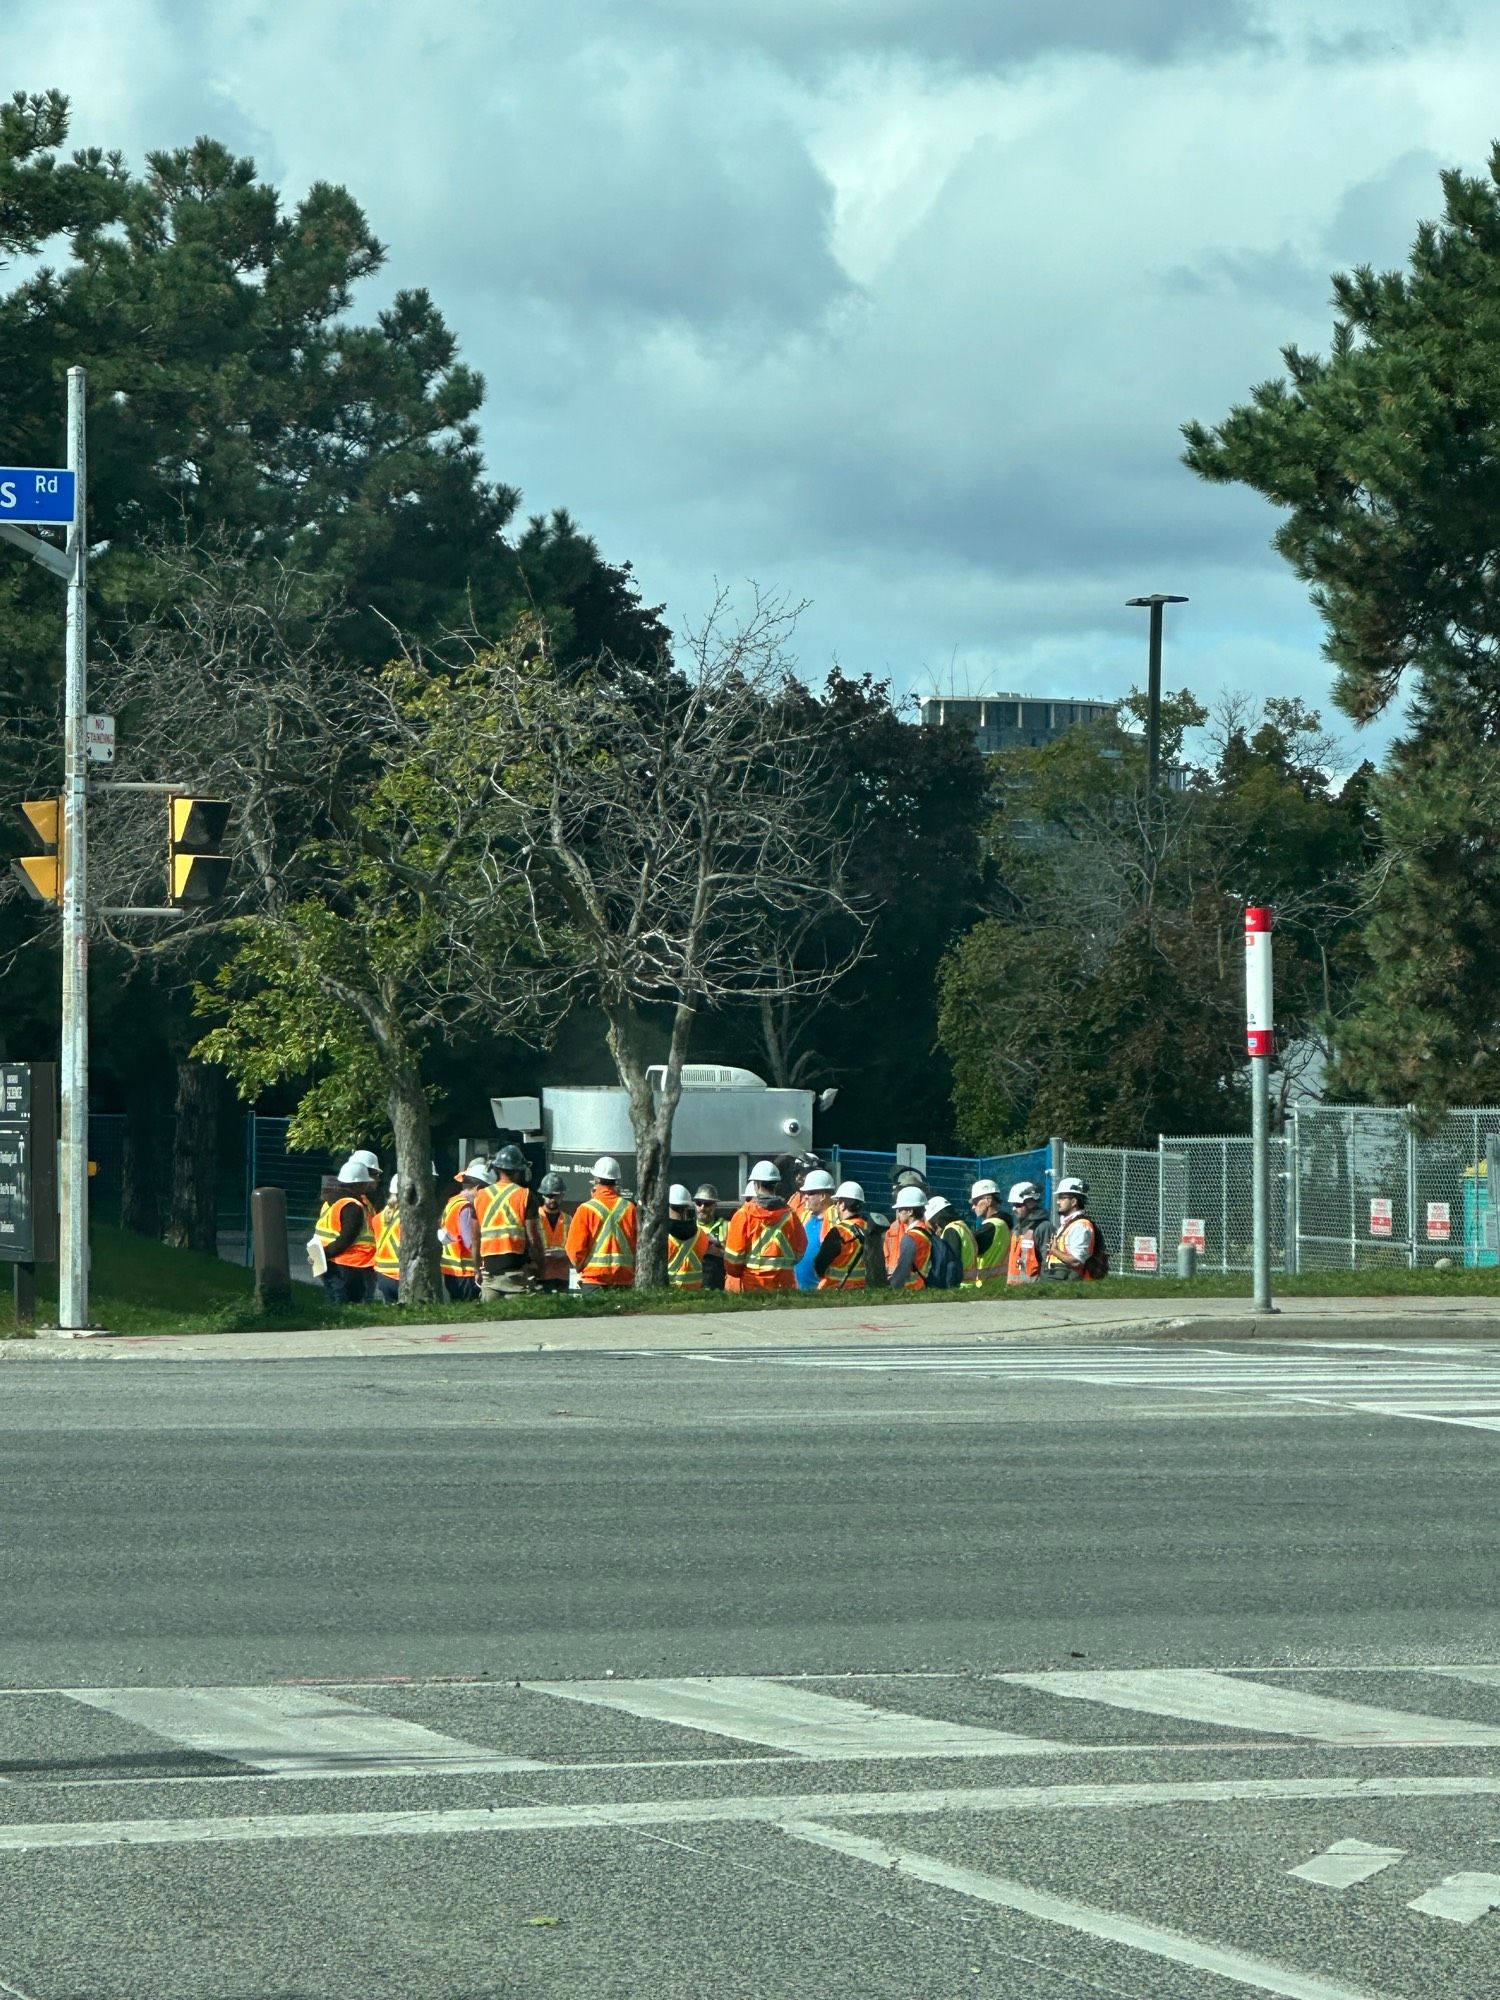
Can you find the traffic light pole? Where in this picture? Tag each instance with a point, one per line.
(73, 1176)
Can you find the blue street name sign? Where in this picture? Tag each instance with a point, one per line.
(33, 496)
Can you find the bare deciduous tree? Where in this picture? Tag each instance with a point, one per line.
(675, 831)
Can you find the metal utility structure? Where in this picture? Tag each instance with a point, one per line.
(62, 501)
(1261, 1040)
(1153, 604)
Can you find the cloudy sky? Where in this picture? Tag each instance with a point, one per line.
(893, 305)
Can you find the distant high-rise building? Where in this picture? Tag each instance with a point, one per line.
(1013, 721)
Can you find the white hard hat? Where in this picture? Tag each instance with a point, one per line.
(820, 1181)
(910, 1198)
(607, 1168)
(477, 1170)
(749, 1190)
(849, 1191)
(354, 1172)
(1024, 1191)
(765, 1170)
(1071, 1184)
(935, 1205)
(984, 1187)
(678, 1196)
(366, 1159)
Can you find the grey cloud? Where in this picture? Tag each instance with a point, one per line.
(982, 33)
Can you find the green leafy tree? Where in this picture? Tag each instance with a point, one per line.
(1383, 455)
(1103, 997)
(236, 394)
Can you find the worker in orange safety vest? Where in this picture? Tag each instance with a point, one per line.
(765, 1239)
(914, 1254)
(552, 1227)
(602, 1235)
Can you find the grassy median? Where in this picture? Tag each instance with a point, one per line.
(142, 1287)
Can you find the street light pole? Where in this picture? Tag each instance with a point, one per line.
(73, 1179)
(1153, 604)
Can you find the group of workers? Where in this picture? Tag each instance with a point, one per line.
(499, 1237)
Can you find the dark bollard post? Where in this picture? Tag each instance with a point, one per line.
(273, 1279)
(1187, 1260)
(25, 1294)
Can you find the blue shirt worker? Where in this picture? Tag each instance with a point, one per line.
(815, 1194)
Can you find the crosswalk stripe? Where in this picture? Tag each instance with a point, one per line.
(796, 1719)
(1196, 1695)
(299, 1732)
(1346, 1863)
(1262, 1975)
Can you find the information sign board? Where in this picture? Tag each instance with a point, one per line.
(1145, 1253)
(28, 1163)
(1439, 1222)
(1194, 1233)
(1380, 1215)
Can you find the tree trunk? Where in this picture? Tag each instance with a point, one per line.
(194, 1221)
(411, 1122)
(146, 1161)
(651, 1121)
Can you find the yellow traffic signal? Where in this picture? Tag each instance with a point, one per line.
(42, 870)
(197, 872)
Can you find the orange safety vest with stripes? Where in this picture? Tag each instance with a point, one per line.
(601, 1239)
(554, 1243)
(685, 1257)
(1023, 1266)
(763, 1246)
(501, 1215)
(455, 1261)
(361, 1252)
(847, 1271)
(388, 1242)
(921, 1262)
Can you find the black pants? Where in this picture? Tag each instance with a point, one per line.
(460, 1290)
(387, 1290)
(346, 1284)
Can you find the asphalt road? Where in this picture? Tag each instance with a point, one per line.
(1009, 1673)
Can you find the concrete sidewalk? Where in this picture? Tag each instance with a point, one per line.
(1064, 1314)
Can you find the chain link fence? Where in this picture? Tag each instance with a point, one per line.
(1352, 1187)
(1370, 1191)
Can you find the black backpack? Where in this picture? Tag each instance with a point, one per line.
(945, 1273)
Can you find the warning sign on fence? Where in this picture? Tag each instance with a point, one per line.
(1439, 1222)
(1193, 1232)
(1380, 1215)
(1145, 1253)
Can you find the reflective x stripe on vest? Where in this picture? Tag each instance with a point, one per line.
(847, 1271)
(388, 1243)
(685, 1260)
(502, 1224)
(455, 1264)
(611, 1249)
(361, 1253)
(770, 1250)
(921, 1262)
(992, 1262)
